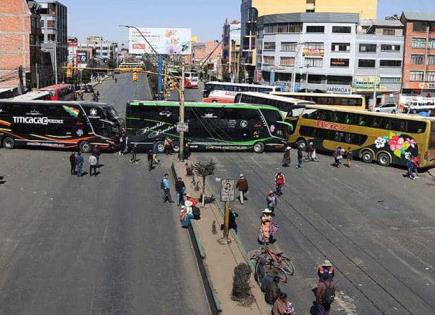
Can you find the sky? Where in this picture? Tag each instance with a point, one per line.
(204, 17)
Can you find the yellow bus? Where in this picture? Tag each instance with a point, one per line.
(381, 137)
(353, 101)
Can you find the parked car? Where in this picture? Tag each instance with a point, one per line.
(386, 108)
(191, 83)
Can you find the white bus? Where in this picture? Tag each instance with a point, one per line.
(225, 92)
(33, 96)
(290, 107)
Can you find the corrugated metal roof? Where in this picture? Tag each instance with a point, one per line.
(419, 16)
(309, 18)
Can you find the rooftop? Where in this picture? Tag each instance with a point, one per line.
(419, 16)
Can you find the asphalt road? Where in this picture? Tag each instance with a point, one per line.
(190, 95)
(93, 245)
(377, 227)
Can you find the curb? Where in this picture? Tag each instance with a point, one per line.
(213, 300)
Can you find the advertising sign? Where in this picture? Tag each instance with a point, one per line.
(366, 83)
(313, 52)
(166, 41)
(82, 57)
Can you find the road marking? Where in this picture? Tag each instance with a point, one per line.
(255, 161)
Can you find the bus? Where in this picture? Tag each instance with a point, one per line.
(290, 107)
(33, 96)
(63, 125)
(382, 137)
(353, 101)
(224, 92)
(211, 127)
(60, 92)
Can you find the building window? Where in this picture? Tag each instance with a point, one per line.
(315, 79)
(314, 62)
(51, 37)
(431, 60)
(418, 43)
(388, 31)
(390, 47)
(391, 63)
(366, 63)
(416, 76)
(270, 46)
(390, 80)
(269, 60)
(430, 76)
(42, 23)
(369, 48)
(431, 44)
(315, 29)
(283, 28)
(50, 24)
(287, 61)
(287, 46)
(339, 80)
(417, 59)
(420, 26)
(342, 29)
(339, 62)
(340, 47)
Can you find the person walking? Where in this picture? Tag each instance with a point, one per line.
(93, 164)
(349, 157)
(150, 160)
(325, 291)
(286, 159)
(310, 151)
(133, 153)
(72, 162)
(96, 152)
(180, 188)
(79, 164)
(265, 234)
(242, 185)
(338, 157)
(271, 200)
(166, 187)
(168, 145)
(282, 306)
(300, 157)
(155, 151)
(279, 183)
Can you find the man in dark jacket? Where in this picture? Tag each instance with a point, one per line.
(180, 188)
(79, 163)
(300, 157)
(242, 185)
(96, 152)
(72, 162)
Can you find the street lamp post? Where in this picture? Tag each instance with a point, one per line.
(299, 45)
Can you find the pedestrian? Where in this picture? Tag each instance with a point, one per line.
(180, 188)
(282, 306)
(116, 80)
(232, 222)
(155, 151)
(286, 159)
(186, 214)
(186, 151)
(165, 186)
(72, 162)
(338, 157)
(279, 183)
(167, 143)
(79, 164)
(349, 157)
(300, 157)
(93, 164)
(271, 200)
(415, 165)
(270, 285)
(96, 152)
(242, 185)
(310, 151)
(325, 291)
(150, 160)
(133, 154)
(265, 235)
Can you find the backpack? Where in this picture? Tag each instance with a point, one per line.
(329, 295)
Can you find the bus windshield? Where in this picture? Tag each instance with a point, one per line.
(339, 100)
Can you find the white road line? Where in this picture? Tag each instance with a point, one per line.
(258, 164)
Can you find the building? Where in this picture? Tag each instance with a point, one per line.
(379, 60)
(104, 50)
(251, 10)
(55, 34)
(231, 51)
(418, 73)
(22, 64)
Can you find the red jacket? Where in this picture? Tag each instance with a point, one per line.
(280, 179)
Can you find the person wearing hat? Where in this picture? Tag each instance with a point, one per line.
(271, 200)
(186, 214)
(286, 159)
(325, 290)
(279, 183)
(265, 236)
(242, 185)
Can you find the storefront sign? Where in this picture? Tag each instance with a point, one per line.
(339, 89)
(367, 83)
(313, 52)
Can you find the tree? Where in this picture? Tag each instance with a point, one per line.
(241, 288)
(204, 169)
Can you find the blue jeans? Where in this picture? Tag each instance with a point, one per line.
(79, 169)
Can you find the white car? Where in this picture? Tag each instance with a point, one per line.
(386, 108)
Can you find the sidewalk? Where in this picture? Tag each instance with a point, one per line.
(220, 260)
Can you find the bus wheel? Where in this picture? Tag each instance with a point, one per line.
(85, 147)
(367, 156)
(8, 143)
(259, 147)
(384, 159)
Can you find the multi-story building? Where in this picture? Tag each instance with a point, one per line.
(55, 34)
(103, 49)
(418, 73)
(252, 9)
(22, 64)
(231, 51)
(379, 59)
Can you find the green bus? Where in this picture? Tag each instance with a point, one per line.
(211, 126)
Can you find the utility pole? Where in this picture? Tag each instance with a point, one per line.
(181, 157)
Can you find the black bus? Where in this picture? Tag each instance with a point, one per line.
(65, 125)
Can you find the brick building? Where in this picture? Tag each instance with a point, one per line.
(418, 74)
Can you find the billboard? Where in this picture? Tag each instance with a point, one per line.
(367, 83)
(82, 57)
(313, 52)
(166, 41)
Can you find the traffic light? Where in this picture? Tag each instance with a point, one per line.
(172, 85)
(134, 76)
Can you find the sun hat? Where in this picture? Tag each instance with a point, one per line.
(188, 203)
(241, 175)
(326, 263)
(267, 210)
